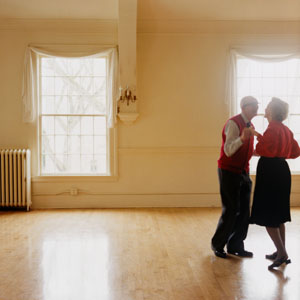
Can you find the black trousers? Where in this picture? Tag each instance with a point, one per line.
(232, 229)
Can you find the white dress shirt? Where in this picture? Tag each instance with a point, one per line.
(233, 141)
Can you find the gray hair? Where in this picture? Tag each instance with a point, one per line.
(248, 100)
(279, 109)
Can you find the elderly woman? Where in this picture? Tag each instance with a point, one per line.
(271, 201)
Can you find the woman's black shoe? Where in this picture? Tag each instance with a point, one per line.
(278, 262)
(271, 256)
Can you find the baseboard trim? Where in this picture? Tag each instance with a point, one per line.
(125, 200)
(133, 200)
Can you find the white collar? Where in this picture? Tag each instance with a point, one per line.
(245, 118)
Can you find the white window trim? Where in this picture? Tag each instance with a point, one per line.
(112, 158)
(255, 53)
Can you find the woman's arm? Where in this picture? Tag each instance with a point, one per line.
(267, 143)
(254, 132)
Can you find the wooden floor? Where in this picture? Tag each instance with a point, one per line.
(122, 254)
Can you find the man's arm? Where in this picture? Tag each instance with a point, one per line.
(233, 141)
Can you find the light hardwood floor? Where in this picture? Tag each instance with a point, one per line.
(122, 254)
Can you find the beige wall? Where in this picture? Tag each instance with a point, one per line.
(168, 157)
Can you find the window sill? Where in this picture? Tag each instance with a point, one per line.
(54, 179)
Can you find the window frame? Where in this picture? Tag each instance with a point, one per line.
(235, 107)
(111, 141)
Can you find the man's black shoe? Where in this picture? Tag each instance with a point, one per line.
(241, 253)
(219, 252)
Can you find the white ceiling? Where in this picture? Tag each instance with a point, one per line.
(154, 9)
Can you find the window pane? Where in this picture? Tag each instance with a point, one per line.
(87, 164)
(87, 125)
(48, 144)
(61, 104)
(255, 86)
(48, 105)
(99, 67)
(74, 163)
(100, 161)
(61, 86)
(268, 86)
(61, 145)
(280, 87)
(61, 125)
(62, 67)
(100, 85)
(61, 163)
(87, 144)
(48, 86)
(48, 164)
(258, 123)
(75, 66)
(99, 144)
(87, 85)
(255, 68)
(293, 68)
(243, 68)
(73, 125)
(280, 69)
(48, 67)
(268, 70)
(267, 80)
(47, 125)
(72, 143)
(100, 125)
(87, 67)
(75, 105)
(99, 104)
(295, 124)
(263, 104)
(294, 105)
(87, 105)
(243, 86)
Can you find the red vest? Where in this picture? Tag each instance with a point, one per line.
(239, 161)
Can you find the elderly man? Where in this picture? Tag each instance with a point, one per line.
(235, 183)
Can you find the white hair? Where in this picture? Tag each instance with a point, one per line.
(279, 109)
(248, 100)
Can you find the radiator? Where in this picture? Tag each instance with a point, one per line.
(15, 181)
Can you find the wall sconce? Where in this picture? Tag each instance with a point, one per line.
(127, 113)
(127, 96)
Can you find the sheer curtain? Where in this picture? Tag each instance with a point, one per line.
(269, 54)
(263, 73)
(30, 86)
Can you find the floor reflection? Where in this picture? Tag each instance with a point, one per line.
(131, 254)
(260, 283)
(75, 268)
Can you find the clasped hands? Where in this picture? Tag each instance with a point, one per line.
(248, 132)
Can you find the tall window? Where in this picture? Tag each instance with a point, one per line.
(73, 116)
(265, 80)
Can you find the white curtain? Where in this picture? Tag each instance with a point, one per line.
(29, 88)
(265, 54)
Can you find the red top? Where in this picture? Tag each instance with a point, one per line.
(277, 141)
(239, 161)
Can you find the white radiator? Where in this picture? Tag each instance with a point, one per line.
(15, 179)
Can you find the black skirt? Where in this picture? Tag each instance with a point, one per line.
(271, 200)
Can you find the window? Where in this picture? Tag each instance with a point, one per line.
(265, 80)
(74, 136)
